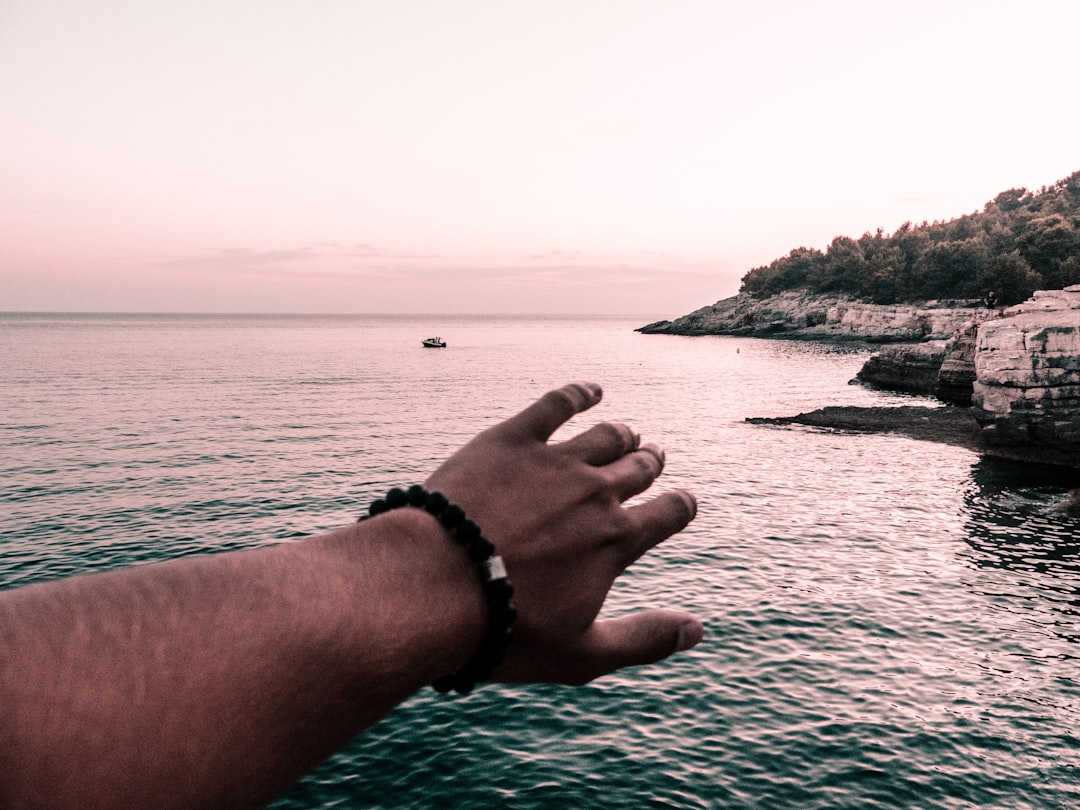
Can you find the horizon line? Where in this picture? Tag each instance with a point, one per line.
(232, 313)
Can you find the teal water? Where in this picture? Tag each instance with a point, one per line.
(889, 623)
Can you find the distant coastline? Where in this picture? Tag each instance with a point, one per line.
(805, 315)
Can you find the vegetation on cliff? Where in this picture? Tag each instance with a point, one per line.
(1020, 242)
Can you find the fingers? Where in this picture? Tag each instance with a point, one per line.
(659, 518)
(641, 638)
(603, 444)
(553, 409)
(635, 472)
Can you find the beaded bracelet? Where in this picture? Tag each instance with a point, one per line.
(497, 588)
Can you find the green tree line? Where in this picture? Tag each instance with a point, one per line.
(1020, 242)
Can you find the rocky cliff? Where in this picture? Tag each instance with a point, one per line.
(812, 316)
(1019, 369)
(956, 377)
(1027, 374)
(940, 368)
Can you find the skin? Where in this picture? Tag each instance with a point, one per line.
(217, 681)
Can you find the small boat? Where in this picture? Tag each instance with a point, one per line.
(434, 343)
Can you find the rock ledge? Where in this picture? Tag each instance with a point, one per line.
(805, 315)
(947, 425)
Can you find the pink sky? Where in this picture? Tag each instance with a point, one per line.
(596, 156)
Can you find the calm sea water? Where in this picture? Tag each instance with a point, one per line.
(890, 623)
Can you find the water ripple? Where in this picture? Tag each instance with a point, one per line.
(890, 623)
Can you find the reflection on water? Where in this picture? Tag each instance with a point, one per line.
(1019, 527)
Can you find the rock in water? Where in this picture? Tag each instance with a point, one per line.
(1027, 366)
(909, 367)
(956, 377)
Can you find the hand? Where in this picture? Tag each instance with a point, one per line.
(555, 514)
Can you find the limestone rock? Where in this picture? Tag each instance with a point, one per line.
(813, 316)
(943, 369)
(1019, 367)
(1048, 301)
(909, 367)
(956, 377)
(1027, 365)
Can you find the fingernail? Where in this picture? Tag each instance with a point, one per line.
(597, 391)
(691, 502)
(656, 450)
(690, 635)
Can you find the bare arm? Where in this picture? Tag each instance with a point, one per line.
(217, 681)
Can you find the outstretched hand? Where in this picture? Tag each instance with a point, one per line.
(555, 513)
(247, 668)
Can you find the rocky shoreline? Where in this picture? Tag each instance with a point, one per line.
(946, 425)
(803, 315)
(1014, 373)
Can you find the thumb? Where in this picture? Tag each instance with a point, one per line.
(641, 638)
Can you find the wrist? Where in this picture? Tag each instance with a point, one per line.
(491, 576)
(423, 610)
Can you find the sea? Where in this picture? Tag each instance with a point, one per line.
(889, 623)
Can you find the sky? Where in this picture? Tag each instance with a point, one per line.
(498, 156)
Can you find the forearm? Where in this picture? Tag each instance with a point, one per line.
(217, 681)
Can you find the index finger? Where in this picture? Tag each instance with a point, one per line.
(553, 409)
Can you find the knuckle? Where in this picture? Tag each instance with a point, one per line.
(560, 398)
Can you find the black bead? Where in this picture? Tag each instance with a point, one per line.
(498, 591)
(377, 507)
(464, 685)
(443, 684)
(501, 640)
(503, 615)
(436, 503)
(467, 532)
(416, 495)
(480, 548)
(452, 516)
(396, 498)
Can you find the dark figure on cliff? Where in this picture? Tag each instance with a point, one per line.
(991, 299)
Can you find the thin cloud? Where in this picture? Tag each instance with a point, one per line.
(241, 259)
(550, 279)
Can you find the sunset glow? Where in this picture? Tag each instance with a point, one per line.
(477, 156)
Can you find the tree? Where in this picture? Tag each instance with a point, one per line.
(952, 269)
(1020, 241)
(844, 265)
(1009, 200)
(1047, 244)
(1010, 277)
(884, 269)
